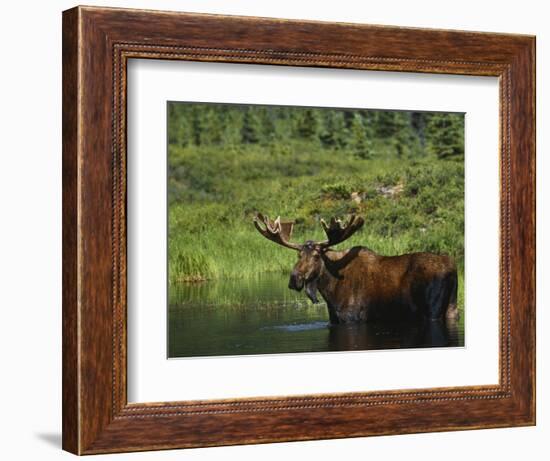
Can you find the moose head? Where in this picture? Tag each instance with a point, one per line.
(311, 254)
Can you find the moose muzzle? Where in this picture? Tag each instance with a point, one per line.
(296, 281)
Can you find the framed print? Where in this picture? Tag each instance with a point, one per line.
(284, 230)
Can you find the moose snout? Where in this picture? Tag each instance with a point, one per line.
(296, 281)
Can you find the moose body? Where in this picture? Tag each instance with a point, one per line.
(360, 285)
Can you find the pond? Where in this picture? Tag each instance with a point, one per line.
(262, 316)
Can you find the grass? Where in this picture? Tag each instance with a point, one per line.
(408, 204)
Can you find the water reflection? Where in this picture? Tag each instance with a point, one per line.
(424, 333)
(262, 316)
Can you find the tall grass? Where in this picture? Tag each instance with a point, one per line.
(408, 204)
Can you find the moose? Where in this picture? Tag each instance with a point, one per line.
(360, 285)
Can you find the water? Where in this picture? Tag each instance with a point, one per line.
(262, 316)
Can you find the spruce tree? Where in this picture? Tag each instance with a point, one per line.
(334, 132)
(251, 127)
(445, 135)
(418, 123)
(360, 141)
(180, 132)
(385, 123)
(268, 115)
(308, 124)
(196, 123)
(212, 120)
(233, 125)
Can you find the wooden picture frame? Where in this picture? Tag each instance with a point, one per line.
(97, 43)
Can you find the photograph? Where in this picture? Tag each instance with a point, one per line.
(279, 224)
(298, 229)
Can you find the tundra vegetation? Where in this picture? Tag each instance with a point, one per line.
(403, 172)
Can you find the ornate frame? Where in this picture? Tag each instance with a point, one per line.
(97, 43)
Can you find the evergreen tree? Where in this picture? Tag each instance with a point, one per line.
(251, 126)
(283, 126)
(418, 123)
(179, 124)
(308, 124)
(233, 123)
(445, 135)
(360, 141)
(196, 123)
(405, 133)
(334, 132)
(407, 142)
(396, 127)
(212, 120)
(385, 123)
(267, 117)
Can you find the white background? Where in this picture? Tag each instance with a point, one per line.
(30, 230)
(153, 378)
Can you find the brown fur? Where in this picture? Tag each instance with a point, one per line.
(359, 285)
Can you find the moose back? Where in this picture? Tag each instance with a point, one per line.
(360, 285)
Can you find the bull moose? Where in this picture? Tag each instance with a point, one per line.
(360, 285)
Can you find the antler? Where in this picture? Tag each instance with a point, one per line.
(337, 231)
(277, 231)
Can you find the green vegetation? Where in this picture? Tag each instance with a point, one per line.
(262, 292)
(402, 171)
